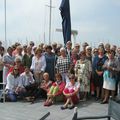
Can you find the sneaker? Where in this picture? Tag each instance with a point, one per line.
(97, 98)
(104, 102)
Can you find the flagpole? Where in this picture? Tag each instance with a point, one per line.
(5, 22)
(50, 19)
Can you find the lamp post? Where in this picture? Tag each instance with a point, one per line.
(5, 22)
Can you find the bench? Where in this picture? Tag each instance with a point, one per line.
(113, 112)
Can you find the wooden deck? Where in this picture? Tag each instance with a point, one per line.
(27, 111)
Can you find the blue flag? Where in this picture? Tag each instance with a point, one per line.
(66, 20)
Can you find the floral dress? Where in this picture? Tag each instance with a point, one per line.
(82, 72)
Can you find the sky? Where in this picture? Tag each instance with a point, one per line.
(95, 20)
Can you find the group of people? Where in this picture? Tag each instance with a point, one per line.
(58, 73)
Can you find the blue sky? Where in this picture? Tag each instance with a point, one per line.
(96, 21)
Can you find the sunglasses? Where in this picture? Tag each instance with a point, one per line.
(15, 69)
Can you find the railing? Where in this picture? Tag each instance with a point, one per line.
(113, 112)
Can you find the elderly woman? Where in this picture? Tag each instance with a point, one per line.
(13, 79)
(8, 61)
(111, 67)
(27, 58)
(55, 91)
(63, 65)
(83, 71)
(89, 53)
(71, 93)
(41, 90)
(98, 63)
(18, 63)
(38, 65)
(50, 62)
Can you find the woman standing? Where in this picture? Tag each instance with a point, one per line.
(38, 65)
(27, 58)
(1, 65)
(111, 67)
(83, 71)
(50, 62)
(63, 65)
(98, 63)
(8, 61)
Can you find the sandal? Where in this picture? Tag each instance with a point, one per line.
(47, 103)
(71, 107)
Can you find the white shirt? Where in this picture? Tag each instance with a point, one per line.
(26, 79)
(38, 64)
(12, 82)
(74, 87)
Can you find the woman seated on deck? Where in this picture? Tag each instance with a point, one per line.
(55, 91)
(41, 90)
(13, 79)
(71, 93)
(26, 82)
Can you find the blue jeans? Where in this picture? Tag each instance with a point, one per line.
(12, 96)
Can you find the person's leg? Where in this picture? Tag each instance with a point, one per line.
(43, 93)
(55, 90)
(51, 90)
(106, 97)
(113, 93)
(97, 92)
(66, 104)
(102, 94)
(12, 96)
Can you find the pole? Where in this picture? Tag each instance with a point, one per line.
(5, 23)
(50, 21)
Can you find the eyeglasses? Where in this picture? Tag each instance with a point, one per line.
(89, 49)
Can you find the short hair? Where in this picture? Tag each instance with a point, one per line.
(82, 53)
(49, 47)
(58, 75)
(62, 49)
(38, 50)
(112, 51)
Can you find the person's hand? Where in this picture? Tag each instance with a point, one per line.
(100, 73)
(109, 68)
(68, 95)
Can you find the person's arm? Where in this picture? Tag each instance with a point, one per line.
(43, 64)
(76, 90)
(9, 85)
(61, 88)
(33, 64)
